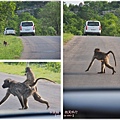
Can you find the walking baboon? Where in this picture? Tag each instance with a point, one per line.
(18, 89)
(104, 58)
(5, 43)
(21, 90)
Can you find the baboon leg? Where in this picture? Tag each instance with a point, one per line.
(90, 63)
(110, 67)
(102, 68)
(39, 99)
(21, 102)
(5, 98)
(25, 103)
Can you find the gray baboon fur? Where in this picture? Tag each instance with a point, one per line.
(18, 89)
(22, 91)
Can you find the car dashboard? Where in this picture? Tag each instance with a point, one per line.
(91, 103)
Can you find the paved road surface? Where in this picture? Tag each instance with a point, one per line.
(41, 47)
(77, 56)
(48, 90)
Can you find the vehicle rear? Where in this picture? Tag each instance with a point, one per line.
(9, 31)
(92, 27)
(27, 27)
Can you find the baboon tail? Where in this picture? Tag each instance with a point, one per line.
(113, 56)
(41, 79)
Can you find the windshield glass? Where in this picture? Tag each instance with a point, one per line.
(27, 24)
(9, 29)
(93, 23)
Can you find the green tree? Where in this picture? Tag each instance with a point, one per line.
(7, 11)
(50, 16)
(51, 31)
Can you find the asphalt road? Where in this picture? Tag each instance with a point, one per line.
(77, 55)
(47, 90)
(41, 47)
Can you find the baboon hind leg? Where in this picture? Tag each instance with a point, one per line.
(39, 99)
(110, 67)
(102, 68)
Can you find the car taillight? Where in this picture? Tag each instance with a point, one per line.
(20, 27)
(86, 27)
(33, 27)
(100, 28)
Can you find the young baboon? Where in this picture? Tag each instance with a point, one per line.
(5, 43)
(104, 58)
(21, 90)
(30, 76)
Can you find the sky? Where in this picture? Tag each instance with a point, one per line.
(73, 2)
(77, 2)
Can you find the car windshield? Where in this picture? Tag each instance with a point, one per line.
(27, 24)
(93, 23)
(9, 29)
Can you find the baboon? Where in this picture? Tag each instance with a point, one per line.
(5, 43)
(104, 58)
(30, 76)
(18, 89)
(30, 80)
(21, 90)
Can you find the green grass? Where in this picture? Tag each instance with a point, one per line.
(14, 48)
(67, 37)
(38, 71)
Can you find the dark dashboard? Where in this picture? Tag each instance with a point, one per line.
(91, 103)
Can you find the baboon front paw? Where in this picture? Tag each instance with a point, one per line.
(21, 108)
(86, 70)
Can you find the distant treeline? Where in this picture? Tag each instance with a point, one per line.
(46, 15)
(108, 13)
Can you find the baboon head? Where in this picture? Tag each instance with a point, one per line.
(97, 50)
(7, 83)
(27, 69)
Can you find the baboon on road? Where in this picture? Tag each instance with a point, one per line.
(21, 90)
(18, 89)
(104, 58)
(30, 81)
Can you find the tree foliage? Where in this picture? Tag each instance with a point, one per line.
(46, 15)
(108, 13)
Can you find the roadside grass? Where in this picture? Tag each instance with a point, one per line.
(38, 71)
(14, 48)
(67, 37)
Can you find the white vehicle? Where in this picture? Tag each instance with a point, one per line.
(9, 31)
(27, 27)
(92, 27)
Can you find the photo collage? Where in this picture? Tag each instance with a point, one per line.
(59, 59)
